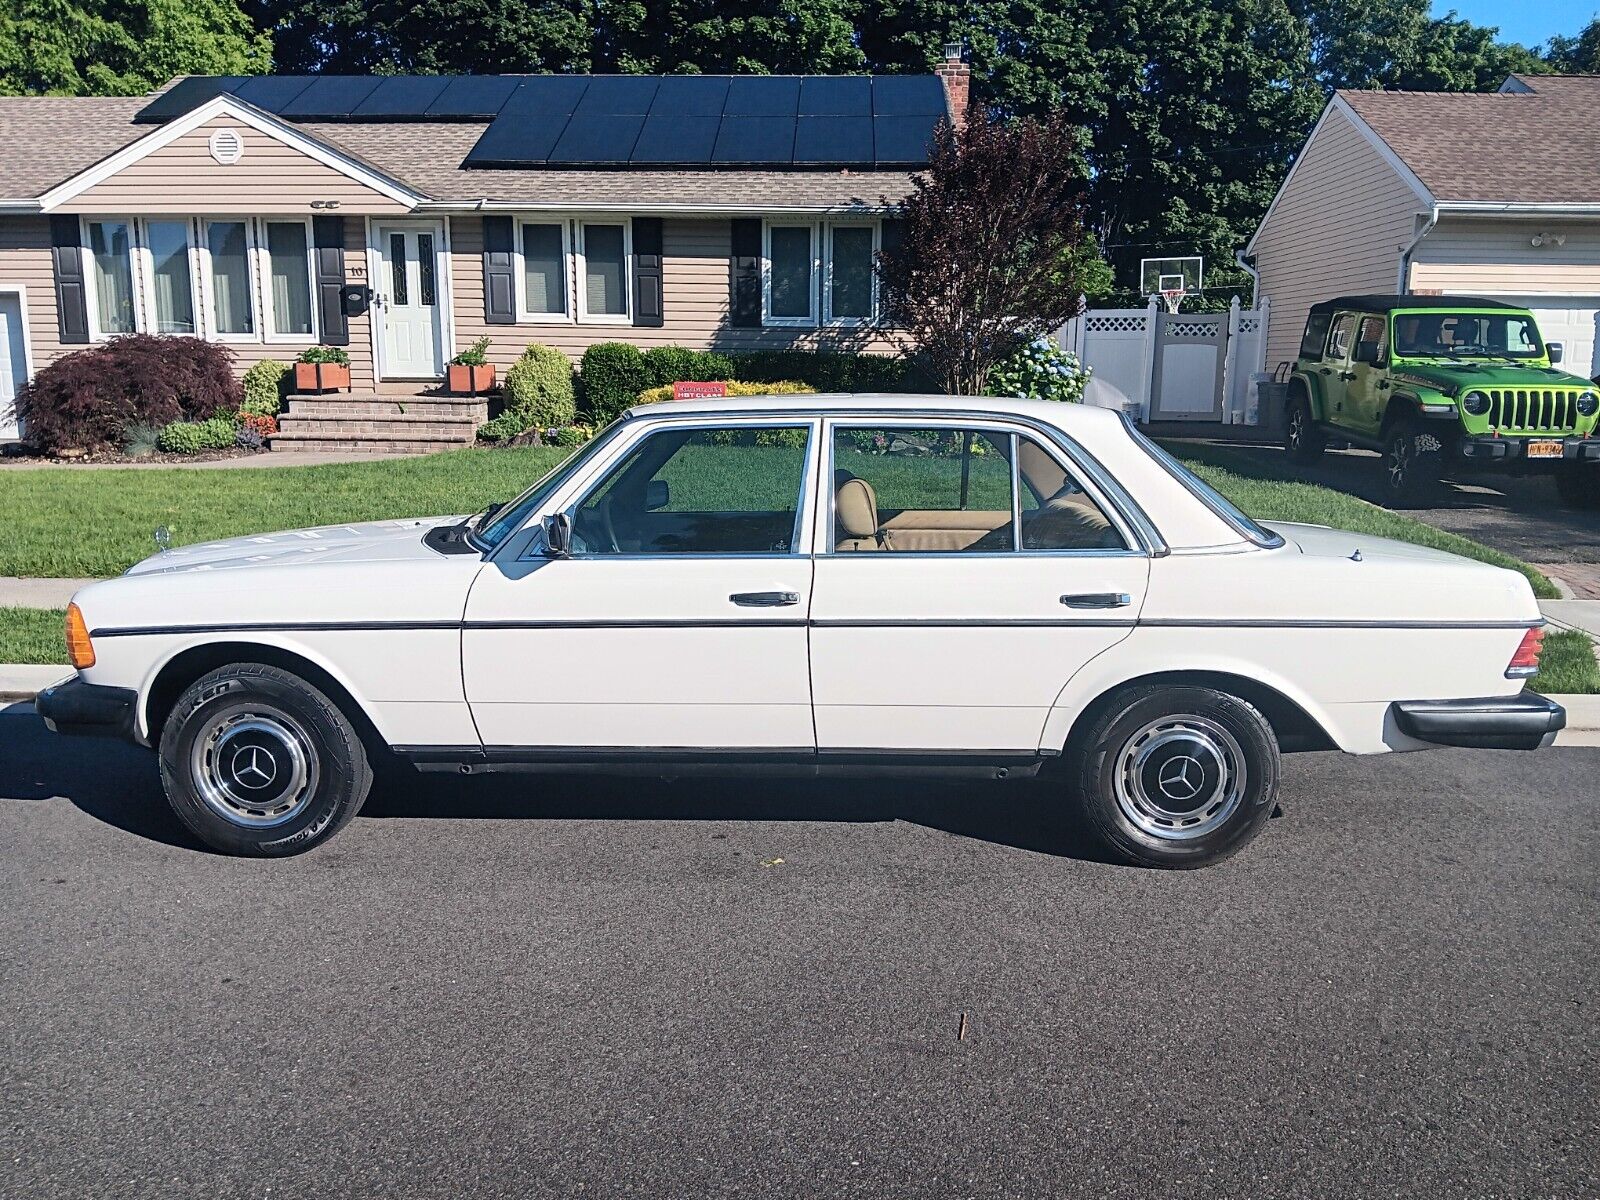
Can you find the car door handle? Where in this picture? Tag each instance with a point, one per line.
(765, 599)
(1097, 599)
(1325, 370)
(1347, 375)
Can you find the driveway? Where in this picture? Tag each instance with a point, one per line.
(553, 986)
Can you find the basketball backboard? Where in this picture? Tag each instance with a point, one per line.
(1183, 274)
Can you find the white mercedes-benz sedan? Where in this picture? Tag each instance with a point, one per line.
(812, 584)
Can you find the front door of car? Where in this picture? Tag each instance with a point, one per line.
(964, 573)
(678, 621)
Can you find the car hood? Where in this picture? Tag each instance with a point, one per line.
(372, 541)
(1456, 377)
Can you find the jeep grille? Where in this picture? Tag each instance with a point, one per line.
(1533, 410)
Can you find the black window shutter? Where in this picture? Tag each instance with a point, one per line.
(499, 263)
(72, 301)
(647, 253)
(893, 235)
(327, 236)
(744, 275)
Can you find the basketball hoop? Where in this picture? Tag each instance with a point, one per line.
(1172, 297)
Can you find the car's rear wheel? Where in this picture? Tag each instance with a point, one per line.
(1303, 439)
(1413, 465)
(1174, 776)
(1578, 485)
(256, 761)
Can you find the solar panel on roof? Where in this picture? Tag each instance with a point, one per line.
(902, 141)
(907, 95)
(272, 92)
(676, 141)
(547, 94)
(691, 96)
(762, 96)
(755, 141)
(836, 96)
(401, 96)
(614, 95)
(833, 140)
(480, 96)
(186, 94)
(331, 96)
(518, 140)
(598, 138)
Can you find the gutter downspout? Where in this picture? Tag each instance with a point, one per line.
(1243, 260)
(1403, 271)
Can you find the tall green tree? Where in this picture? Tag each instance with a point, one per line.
(719, 37)
(123, 47)
(1579, 55)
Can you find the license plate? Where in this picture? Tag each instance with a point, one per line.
(1544, 449)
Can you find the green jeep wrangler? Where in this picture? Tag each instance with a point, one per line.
(1437, 383)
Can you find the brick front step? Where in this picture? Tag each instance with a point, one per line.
(458, 429)
(371, 408)
(370, 443)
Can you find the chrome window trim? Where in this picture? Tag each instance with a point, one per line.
(1249, 529)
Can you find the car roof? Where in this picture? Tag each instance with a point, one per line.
(1068, 417)
(1382, 303)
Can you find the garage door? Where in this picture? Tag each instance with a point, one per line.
(1569, 320)
(13, 366)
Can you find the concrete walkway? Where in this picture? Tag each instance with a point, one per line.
(1582, 615)
(38, 593)
(311, 458)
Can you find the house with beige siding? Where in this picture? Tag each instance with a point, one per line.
(403, 218)
(1491, 194)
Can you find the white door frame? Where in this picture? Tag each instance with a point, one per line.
(21, 294)
(442, 272)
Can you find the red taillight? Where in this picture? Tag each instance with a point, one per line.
(1525, 661)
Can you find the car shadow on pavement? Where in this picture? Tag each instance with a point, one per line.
(121, 786)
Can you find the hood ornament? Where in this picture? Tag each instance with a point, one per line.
(163, 537)
(1356, 557)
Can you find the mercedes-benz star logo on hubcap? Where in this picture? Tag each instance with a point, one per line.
(254, 768)
(1181, 778)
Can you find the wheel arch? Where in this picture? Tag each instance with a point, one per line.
(1301, 384)
(1400, 406)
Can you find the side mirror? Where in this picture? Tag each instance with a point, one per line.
(558, 536)
(1555, 351)
(656, 495)
(1367, 352)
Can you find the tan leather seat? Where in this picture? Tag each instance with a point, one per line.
(856, 516)
(1069, 522)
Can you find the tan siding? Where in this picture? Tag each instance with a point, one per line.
(1337, 229)
(271, 177)
(695, 302)
(1483, 257)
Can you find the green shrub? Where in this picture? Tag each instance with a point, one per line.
(1041, 370)
(613, 375)
(191, 437)
(504, 427)
(539, 388)
(324, 354)
(782, 387)
(263, 387)
(141, 439)
(828, 371)
(675, 364)
(570, 435)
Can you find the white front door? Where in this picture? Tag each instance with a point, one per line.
(409, 298)
(13, 361)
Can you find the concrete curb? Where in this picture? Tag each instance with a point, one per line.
(25, 681)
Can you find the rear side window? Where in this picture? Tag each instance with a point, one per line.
(1316, 334)
(1339, 340)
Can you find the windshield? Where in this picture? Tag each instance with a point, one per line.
(511, 517)
(1466, 335)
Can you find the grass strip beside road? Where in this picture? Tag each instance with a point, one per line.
(1567, 666)
(32, 635)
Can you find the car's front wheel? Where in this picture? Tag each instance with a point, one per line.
(1578, 485)
(257, 761)
(1174, 776)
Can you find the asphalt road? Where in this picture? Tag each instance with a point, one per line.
(571, 988)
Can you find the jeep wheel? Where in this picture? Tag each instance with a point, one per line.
(1174, 776)
(1302, 437)
(1578, 485)
(256, 761)
(1413, 461)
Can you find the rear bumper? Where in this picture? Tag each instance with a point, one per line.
(1502, 449)
(88, 709)
(1523, 722)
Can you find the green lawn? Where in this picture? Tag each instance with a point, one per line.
(1567, 665)
(32, 635)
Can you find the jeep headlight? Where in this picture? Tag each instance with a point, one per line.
(1475, 403)
(1587, 403)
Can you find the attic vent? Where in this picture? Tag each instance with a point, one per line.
(227, 147)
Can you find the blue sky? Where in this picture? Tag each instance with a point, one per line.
(1530, 22)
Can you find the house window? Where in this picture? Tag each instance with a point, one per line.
(111, 247)
(790, 275)
(604, 264)
(850, 278)
(288, 254)
(820, 274)
(544, 270)
(228, 247)
(171, 279)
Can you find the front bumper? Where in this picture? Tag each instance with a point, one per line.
(88, 709)
(1488, 448)
(1525, 721)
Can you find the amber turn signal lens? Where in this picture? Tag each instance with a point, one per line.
(80, 650)
(1525, 661)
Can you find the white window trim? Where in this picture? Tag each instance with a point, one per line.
(146, 316)
(207, 293)
(827, 274)
(264, 278)
(581, 274)
(91, 287)
(568, 271)
(809, 321)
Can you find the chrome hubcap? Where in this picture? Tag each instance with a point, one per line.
(1180, 777)
(254, 765)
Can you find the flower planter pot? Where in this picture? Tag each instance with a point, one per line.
(470, 381)
(321, 377)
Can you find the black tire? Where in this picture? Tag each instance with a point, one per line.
(1303, 438)
(257, 762)
(1578, 485)
(1413, 465)
(1138, 737)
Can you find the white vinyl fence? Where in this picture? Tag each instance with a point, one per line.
(1172, 366)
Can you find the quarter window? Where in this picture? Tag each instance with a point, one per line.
(1316, 335)
(605, 271)
(111, 248)
(228, 245)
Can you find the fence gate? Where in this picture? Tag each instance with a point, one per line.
(1189, 353)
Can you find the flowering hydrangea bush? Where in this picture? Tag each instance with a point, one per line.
(1041, 370)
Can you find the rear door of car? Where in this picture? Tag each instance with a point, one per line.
(1334, 374)
(960, 588)
(1367, 385)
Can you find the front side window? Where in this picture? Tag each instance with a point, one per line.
(791, 261)
(1375, 332)
(850, 273)
(605, 270)
(228, 244)
(289, 274)
(699, 491)
(544, 270)
(171, 287)
(111, 247)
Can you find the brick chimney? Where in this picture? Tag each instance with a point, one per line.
(956, 76)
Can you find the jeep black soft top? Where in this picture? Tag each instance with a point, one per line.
(1384, 304)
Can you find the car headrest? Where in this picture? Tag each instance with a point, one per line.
(856, 506)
